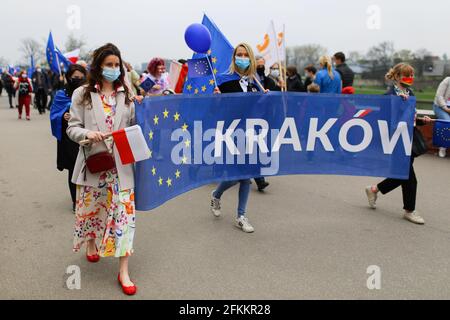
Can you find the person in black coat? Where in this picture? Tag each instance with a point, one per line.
(41, 87)
(402, 77)
(241, 78)
(310, 74)
(294, 80)
(67, 150)
(8, 83)
(267, 82)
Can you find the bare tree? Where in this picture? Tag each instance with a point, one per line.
(403, 55)
(32, 48)
(301, 56)
(73, 43)
(3, 62)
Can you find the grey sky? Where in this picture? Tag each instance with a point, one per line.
(144, 29)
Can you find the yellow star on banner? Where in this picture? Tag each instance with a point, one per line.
(187, 143)
(151, 153)
(211, 82)
(156, 119)
(169, 182)
(160, 181)
(196, 91)
(178, 174)
(214, 60)
(189, 87)
(176, 116)
(184, 160)
(209, 52)
(185, 127)
(151, 135)
(204, 88)
(215, 71)
(166, 114)
(154, 171)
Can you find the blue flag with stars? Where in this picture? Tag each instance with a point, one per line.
(441, 136)
(198, 68)
(51, 54)
(220, 53)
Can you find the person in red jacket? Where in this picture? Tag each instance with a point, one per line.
(24, 89)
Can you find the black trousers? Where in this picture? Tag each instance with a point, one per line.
(72, 188)
(11, 94)
(41, 100)
(409, 188)
(260, 181)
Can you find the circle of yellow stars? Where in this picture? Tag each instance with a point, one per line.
(203, 89)
(169, 181)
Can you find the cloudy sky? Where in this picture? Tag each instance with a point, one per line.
(144, 29)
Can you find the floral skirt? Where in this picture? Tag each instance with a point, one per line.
(107, 214)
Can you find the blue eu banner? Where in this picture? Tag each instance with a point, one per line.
(441, 136)
(197, 140)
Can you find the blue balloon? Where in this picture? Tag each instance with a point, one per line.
(198, 38)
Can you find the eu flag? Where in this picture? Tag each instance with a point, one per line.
(220, 52)
(441, 136)
(198, 68)
(62, 59)
(51, 54)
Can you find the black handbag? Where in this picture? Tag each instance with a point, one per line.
(419, 146)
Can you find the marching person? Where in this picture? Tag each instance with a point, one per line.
(24, 90)
(67, 150)
(41, 88)
(157, 73)
(241, 78)
(441, 106)
(105, 208)
(8, 83)
(328, 78)
(402, 78)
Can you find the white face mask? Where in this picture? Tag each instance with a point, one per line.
(275, 73)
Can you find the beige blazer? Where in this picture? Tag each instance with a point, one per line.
(92, 118)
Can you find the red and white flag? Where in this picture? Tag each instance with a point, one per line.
(131, 144)
(73, 56)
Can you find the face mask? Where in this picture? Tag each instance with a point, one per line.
(242, 63)
(111, 74)
(407, 81)
(74, 83)
(261, 71)
(24, 76)
(275, 73)
(38, 69)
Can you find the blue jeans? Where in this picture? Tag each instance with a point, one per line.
(440, 113)
(244, 191)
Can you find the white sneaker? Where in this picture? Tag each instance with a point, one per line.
(414, 217)
(371, 197)
(215, 205)
(242, 223)
(442, 152)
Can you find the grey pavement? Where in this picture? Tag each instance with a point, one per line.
(315, 236)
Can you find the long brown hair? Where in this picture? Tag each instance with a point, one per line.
(95, 73)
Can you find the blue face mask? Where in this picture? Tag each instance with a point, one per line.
(111, 74)
(242, 63)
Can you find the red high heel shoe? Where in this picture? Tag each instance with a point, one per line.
(130, 291)
(93, 258)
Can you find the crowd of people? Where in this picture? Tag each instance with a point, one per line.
(85, 104)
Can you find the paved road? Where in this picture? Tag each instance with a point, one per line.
(315, 236)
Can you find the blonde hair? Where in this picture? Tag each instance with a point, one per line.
(398, 70)
(251, 70)
(325, 61)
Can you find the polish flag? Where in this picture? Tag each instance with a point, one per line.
(73, 56)
(131, 144)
